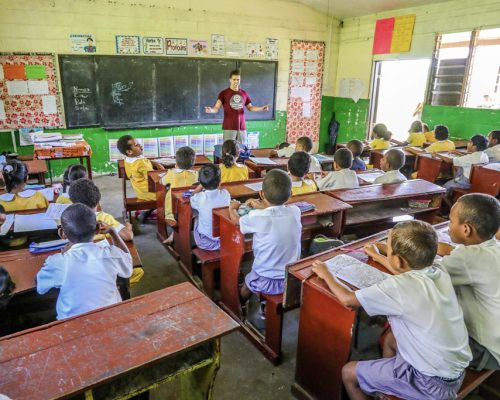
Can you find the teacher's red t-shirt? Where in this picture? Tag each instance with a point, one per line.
(234, 103)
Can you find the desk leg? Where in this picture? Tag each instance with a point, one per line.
(50, 170)
(89, 168)
(182, 243)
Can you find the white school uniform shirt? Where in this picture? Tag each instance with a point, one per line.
(393, 176)
(204, 202)
(86, 275)
(466, 162)
(425, 318)
(493, 153)
(276, 241)
(342, 179)
(315, 166)
(475, 274)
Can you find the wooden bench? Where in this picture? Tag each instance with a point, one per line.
(120, 351)
(428, 167)
(483, 179)
(37, 168)
(210, 262)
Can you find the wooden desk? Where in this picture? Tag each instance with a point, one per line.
(38, 168)
(325, 324)
(233, 248)
(259, 169)
(199, 160)
(121, 350)
(379, 204)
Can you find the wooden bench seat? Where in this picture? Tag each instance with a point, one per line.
(210, 262)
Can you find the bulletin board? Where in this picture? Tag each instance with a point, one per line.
(29, 92)
(304, 90)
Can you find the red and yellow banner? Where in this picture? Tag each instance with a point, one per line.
(393, 35)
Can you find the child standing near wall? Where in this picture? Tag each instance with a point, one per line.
(230, 170)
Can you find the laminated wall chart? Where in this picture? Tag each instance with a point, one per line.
(28, 92)
(393, 35)
(304, 96)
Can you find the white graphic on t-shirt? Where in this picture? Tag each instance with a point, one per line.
(236, 102)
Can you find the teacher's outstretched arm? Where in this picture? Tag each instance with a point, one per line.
(215, 108)
(251, 107)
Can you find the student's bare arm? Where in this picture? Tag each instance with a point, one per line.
(126, 233)
(215, 108)
(444, 249)
(374, 252)
(233, 211)
(345, 296)
(105, 229)
(157, 165)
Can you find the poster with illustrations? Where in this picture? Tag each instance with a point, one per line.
(176, 47)
(255, 50)
(82, 43)
(153, 45)
(128, 44)
(197, 48)
(272, 46)
(218, 45)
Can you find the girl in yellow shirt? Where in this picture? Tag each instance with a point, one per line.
(72, 173)
(381, 137)
(442, 143)
(230, 170)
(416, 136)
(15, 174)
(298, 167)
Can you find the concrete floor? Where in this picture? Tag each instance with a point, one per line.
(245, 373)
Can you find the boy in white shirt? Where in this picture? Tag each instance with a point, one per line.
(474, 267)
(206, 197)
(85, 273)
(493, 150)
(391, 163)
(304, 143)
(342, 176)
(276, 230)
(428, 350)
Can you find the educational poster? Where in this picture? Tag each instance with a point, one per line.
(82, 43)
(235, 49)
(220, 138)
(128, 44)
(114, 153)
(272, 46)
(150, 147)
(181, 141)
(209, 142)
(166, 146)
(351, 88)
(393, 35)
(197, 48)
(253, 140)
(255, 50)
(153, 45)
(28, 92)
(176, 47)
(218, 46)
(304, 92)
(196, 143)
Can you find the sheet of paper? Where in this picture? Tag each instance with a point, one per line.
(166, 145)
(35, 71)
(4, 228)
(150, 147)
(209, 142)
(298, 54)
(311, 67)
(165, 161)
(303, 92)
(494, 166)
(49, 104)
(180, 141)
(311, 80)
(253, 140)
(306, 109)
(33, 222)
(297, 67)
(17, 88)
(256, 187)
(2, 110)
(220, 138)
(355, 272)
(55, 210)
(297, 80)
(312, 55)
(196, 143)
(48, 193)
(370, 176)
(262, 160)
(38, 87)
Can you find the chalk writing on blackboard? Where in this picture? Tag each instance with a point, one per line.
(117, 90)
(80, 96)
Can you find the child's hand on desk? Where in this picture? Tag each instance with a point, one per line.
(157, 165)
(254, 203)
(234, 205)
(372, 250)
(105, 229)
(320, 269)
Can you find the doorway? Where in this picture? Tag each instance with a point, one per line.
(398, 87)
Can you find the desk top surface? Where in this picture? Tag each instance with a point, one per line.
(68, 356)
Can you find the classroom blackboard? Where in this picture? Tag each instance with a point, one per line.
(133, 91)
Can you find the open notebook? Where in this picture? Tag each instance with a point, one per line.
(354, 272)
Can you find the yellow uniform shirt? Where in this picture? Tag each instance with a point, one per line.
(380, 144)
(108, 219)
(236, 172)
(176, 178)
(430, 137)
(442, 145)
(137, 169)
(26, 200)
(303, 186)
(63, 198)
(416, 139)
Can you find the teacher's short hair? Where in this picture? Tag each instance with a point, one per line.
(234, 72)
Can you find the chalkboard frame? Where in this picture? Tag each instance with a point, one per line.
(159, 124)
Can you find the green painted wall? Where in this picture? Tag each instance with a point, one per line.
(462, 122)
(271, 133)
(353, 118)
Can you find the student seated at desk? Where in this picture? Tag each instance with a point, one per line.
(276, 230)
(2, 215)
(342, 177)
(427, 351)
(356, 147)
(15, 174)
(298, 167)
(391, 163)
(304, 143)
(430, 136)
(493, 150)
(230, 170)
(476, 147)
(179, 176)
(86, 272)
(474, 267)
(416, 136)
(441, 143)
(381, 137)
(7, 286)
(71, 174)
(205, 198)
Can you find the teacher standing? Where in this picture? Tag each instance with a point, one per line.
(234, 101)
